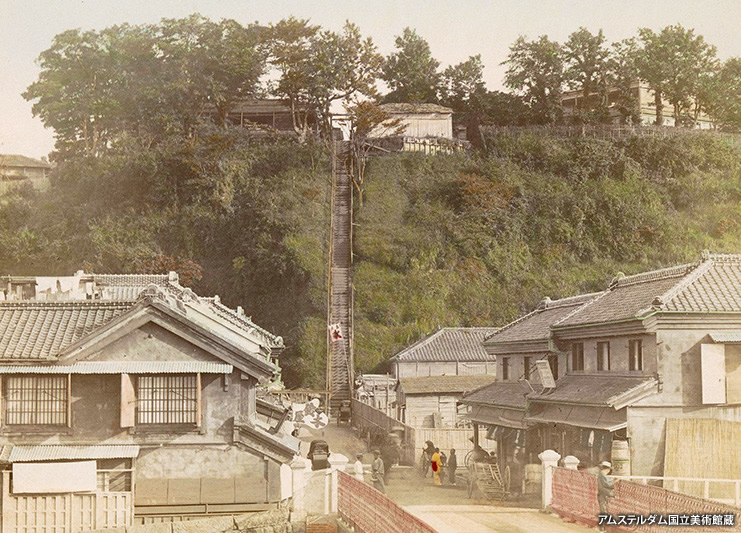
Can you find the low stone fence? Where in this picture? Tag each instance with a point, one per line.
(367, 510)
(275, 521)
(572, 494)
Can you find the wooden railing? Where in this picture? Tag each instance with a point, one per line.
(730, 487)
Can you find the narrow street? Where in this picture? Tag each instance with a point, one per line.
(448, 508)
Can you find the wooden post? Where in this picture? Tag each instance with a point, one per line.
(198, 399)
(475, 434)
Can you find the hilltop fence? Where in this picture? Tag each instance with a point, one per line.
(607, 131)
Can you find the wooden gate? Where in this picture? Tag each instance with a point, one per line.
(63, 513)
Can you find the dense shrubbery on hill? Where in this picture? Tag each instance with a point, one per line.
(467, 239)
(477, 240)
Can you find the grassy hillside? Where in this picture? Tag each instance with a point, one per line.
(473, 240)
(467, 239)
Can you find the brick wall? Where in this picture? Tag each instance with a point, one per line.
(575, 498)
(360, 505)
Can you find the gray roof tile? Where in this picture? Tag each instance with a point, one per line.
(449, 344)
(443, 384)
(602, 390)
(504, 394)
(536, 325)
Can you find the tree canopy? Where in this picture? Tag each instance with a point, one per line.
(411, 72)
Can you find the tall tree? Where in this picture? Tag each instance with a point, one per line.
(623, 76)
(290, 43)
(411, 71)
(585, 59)
(342, 65)
(465, 91)
(674, 63)
(535, 70)
(149, 80)
(725, 95)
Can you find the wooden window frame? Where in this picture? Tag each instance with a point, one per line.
(163, 400)
(37, 405)
(553, 363)
(527, 366)
(505, 369)
(577, 357)
(600, 359)
(635, 356)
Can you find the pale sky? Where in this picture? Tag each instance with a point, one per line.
(454, 29)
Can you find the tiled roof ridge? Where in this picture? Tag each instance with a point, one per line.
(722, 257)
(458, 328)
(579, 308)
(578, 300)
(572, 300)
(653, 275)
(31, 304)
(216, 304)
(663, 299)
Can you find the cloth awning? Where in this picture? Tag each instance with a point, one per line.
(604, 418)
(122, 367)
(53, 452)
(497, 416)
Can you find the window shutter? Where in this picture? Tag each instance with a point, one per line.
(713, 373)
(128, 401)
(198, 400)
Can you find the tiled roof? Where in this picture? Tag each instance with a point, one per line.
(40, 330)
(442, 384)
(602, 390)
(500, 393)
(536, 325)
(726, 337)
(14, 160)
(710, 285)
(407, 108)
(127, 286)
(449, 344)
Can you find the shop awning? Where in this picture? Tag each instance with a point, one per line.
(53, 452)
(497, 416)
(604, 418)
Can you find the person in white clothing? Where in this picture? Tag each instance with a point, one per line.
(358, 467)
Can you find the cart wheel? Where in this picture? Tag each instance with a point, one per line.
(468, 460)
(507, 478)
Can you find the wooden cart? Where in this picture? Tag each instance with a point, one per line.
(493, 482)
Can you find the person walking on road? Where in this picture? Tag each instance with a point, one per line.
(452, 465)
(437, 464)
(427, 452)
(358, 468)
(377, 472)
(605, 487)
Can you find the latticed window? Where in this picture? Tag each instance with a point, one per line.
(167, 399)
(36, 400)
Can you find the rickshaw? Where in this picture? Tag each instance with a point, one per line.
(345, 412)
(486, 475)
(318, 454)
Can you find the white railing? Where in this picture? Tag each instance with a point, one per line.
(673, 483)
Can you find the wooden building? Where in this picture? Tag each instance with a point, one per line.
(272, 114)
(644, 101)
(421, 120)
(148, 389)
(447, 352)
(433, 401)
(647, 371)
(18, 169)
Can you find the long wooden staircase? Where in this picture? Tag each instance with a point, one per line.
(340, 364)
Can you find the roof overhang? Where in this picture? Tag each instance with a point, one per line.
(604, 418)
(498, 416)
(28, 454)
(726, 337)
(123, 367)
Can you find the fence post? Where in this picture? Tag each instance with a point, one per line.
(549, 460)
(298, 471)
(337, 461)
(570, 462)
